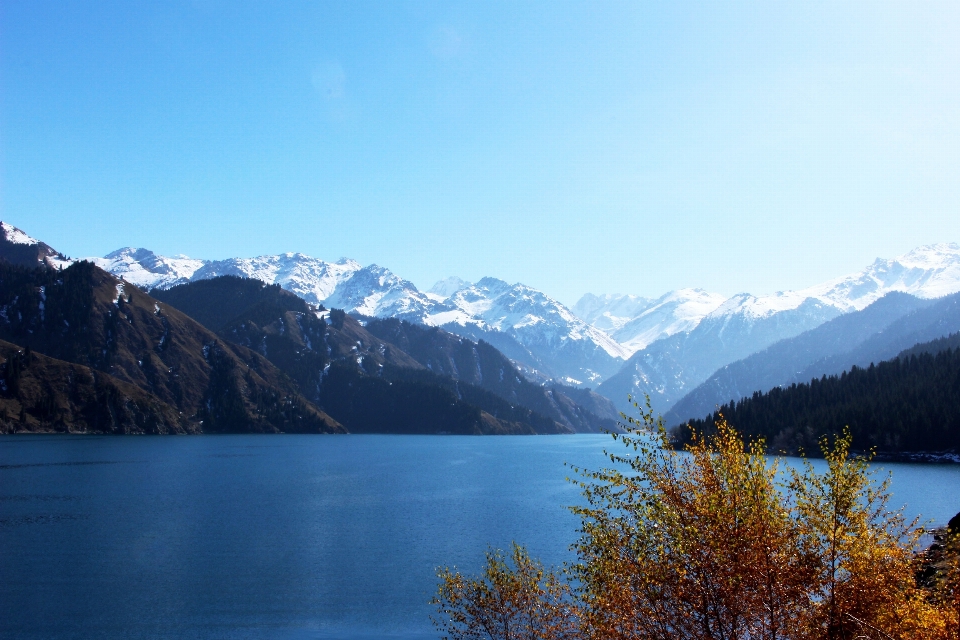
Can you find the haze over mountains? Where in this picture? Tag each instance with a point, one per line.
(688, 341)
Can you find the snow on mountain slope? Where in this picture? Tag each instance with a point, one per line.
(558, 343)
(567, 346)
(378, 292)
(312, 279)
(744, 324)
(782, 362)
(930, 271)
(15, 236)
(448, 286)
(146, 269)
(675, 312)
(670, 367)
(16, 247)
(610, 311)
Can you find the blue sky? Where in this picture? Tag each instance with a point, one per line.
(604, 147)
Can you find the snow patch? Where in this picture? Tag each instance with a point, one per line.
(16, 236)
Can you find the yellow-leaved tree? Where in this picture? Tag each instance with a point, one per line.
(714, 542)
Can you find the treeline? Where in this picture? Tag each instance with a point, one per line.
(909, 404)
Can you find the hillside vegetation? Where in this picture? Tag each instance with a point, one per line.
(908, 404)
(85, 316)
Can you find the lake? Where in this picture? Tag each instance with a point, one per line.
(286, 536)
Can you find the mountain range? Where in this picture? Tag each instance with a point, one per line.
(619, 345)
(84, 350)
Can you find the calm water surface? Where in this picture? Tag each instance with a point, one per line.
(285, 536)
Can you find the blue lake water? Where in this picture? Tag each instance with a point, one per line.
(286, 536)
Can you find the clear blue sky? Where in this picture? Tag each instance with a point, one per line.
(575, 147)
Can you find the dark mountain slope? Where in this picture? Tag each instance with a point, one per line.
(482, 365)
(783, 362)
(19, 249)
(904, 405)
(933, 347)
(214, 303)
(86, 316)
(38, 393)
(365, 382)
(921, 326)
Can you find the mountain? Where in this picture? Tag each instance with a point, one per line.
(85, 316)
(448, 286)
(671, 367)
(377, 292)
(482, 365)
(925, 324)
(16, 247)
(665, 347)
(934, 347)
(537, 331)
(907, 405)
(744, 324)
(147, 270)
(350, 371)
(636, 322)
(675, 312)
(610, 311)
(312, 279)
(38, 393)
(561, 344)
(785, 361)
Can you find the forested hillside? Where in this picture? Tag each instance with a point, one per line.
(908, 404)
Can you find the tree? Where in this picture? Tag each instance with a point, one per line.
(522, 602)
(716, 542)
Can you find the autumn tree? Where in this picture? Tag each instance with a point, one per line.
(713, 542)
(519, 602)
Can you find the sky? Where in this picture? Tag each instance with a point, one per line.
(572, 146)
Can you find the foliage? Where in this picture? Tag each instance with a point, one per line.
(719, 541)
(522, 602)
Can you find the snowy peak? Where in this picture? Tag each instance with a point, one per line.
(610, 311)
(529, 315)
(146, 269)
(312, 279)
(16, 247)
(15, 236)
(448, 286)
(930, 271)
(635, 322)
(378, 292)
(675, 312)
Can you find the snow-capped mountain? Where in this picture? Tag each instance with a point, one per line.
(880, 331)
(676, 341)
(563, 344)
(146, 269)
(745, 324)
(610, 311)
(930, 271)
(670, 367)
(675, 312)
(312, 279)
(537, 330)
(16, 247)
(448, 286)
(378, 292)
